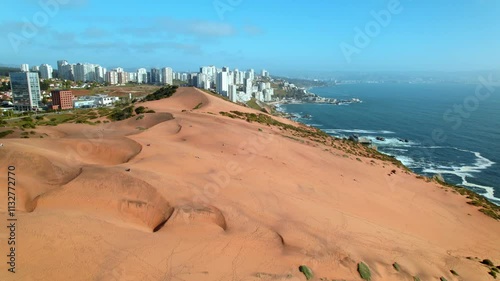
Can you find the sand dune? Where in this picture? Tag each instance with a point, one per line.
(199, 196)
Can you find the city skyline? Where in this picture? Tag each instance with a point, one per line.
(338, 35)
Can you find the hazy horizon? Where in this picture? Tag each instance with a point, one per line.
(282, 37)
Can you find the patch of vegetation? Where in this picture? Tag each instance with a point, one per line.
(364, 271)
(198, 106)
(162, 93)
(252, 103)
(139, 117)
(140, 110)
(493, 273)
(454, 272)
(443, 279)
(306, 271)
(150, 111)
(121, 114)
(487, 262)
(396, 266)
(5, 133)
(416, 278)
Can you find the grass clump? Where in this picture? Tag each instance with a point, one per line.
(198, 106)
(253, 104)
(5, 133)
(364, 271)
(493, 273)
(140, 110)
(454, 272)
(396, 266)
(416, 278)
(443, 279)
(487, 262)
(306, 271)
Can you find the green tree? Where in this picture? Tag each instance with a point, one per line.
(66, 84)
(5, 86)
(45, 85)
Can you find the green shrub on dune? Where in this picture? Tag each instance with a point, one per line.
(364, 271)
(307, 272)
(164, 92)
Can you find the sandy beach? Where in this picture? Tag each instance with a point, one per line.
(189, 194)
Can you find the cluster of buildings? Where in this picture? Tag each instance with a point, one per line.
(236, 85)
(88, 72)
(27, 95)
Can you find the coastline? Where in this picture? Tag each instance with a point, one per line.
(489, 191)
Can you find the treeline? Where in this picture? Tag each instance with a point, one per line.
(162, 93)
(4, 70)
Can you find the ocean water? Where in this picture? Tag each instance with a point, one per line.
(450, 130)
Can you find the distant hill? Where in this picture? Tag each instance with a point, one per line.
(4, 70)
(304, 83)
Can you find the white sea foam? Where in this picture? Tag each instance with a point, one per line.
(407, 161)
(467, 171)
(391, 142)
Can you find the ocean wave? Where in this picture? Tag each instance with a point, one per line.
(392, 142)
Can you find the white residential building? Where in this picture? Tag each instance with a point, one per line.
(100, 74)
(167, 76)
(222, 84)
(67, 71)
(25, 67)
(233, 93)
(45, 71)
(248, 86)
(132, 77)
(250, 74)
(112, 77)
(84, 72)
(184, 77)
(268, 95)
(142, 76)
(105, 100)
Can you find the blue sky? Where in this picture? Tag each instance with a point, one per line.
(279, 35)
